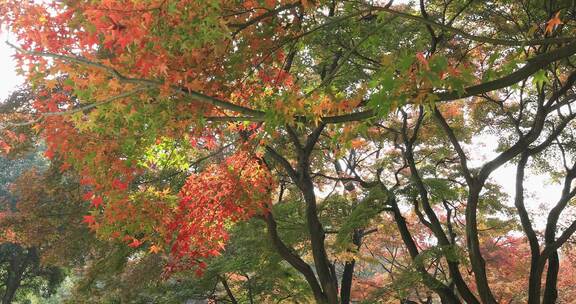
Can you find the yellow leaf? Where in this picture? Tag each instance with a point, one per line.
(387, 60)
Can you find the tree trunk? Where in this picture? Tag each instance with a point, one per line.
(321, 262)
(12, 285)
(551, 291)
(473, 242)
(348, 274)
(534, 280)
(18, 264)
(229, 292)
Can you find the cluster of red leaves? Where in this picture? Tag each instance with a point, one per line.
(224, 193)
(508, 259)
(195, 229)
(11, 140)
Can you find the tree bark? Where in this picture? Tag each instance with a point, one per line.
(294, 260)
(229, 292)
(473, 243)
(348, 273)
(323, 267)
(551, 289)
(18, 264)
(446, 294)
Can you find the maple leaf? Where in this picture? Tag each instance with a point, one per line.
(194, 85)
(65, 166)
(199, 272)
(49, 153)
(553, 23)
(97, 201)
(89, 219)
(5, 146)
(124, 40)
(154, 249)
(88, 195)
(357, 143)
(86, 181)
(211, 143)
(135, 243)
(162, 68)
(119, 185)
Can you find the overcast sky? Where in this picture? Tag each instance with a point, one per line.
(8, 77)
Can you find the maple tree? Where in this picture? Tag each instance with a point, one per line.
(21, 268)
(183, 119)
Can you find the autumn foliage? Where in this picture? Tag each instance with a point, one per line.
(236, 189)
(341, 139)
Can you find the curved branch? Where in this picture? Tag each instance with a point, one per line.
(283, 162)
(76, 110)
(532, 66)
(293, 259)
(148, 82)
(241, 26)
(464, 34)
(452, 137)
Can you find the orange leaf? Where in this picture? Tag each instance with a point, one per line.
(357, 143)
(553, 23)
(154, 249)
(65, 166)
(5, 147)
(119, 185)
(422, 59)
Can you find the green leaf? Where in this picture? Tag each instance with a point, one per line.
(388, 82)
(405, 62)
(540, 78)
(441, 188)
(438, 64)
(361, 216)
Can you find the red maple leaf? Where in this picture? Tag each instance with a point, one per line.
(97, 201)
(135, 243)
(88, 196)
(89, 219)
(119, 185)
